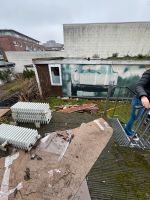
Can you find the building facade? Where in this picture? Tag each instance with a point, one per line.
(86, 78)
(103, 40)
(52, 45)
(11, 40)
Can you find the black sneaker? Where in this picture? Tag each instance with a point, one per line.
(134, 138)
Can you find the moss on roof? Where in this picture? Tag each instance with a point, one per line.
(128, 57)
(49, 58)
(120, 173)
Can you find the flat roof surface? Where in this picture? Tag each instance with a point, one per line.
(119, 172)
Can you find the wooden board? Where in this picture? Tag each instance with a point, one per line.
(84, 107)
(3, 111)
(53, 180)
(88, 143)
(83, 192)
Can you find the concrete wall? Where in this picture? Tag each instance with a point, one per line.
(87, 40)
(25, 58)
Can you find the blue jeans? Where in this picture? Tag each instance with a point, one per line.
(135, 114)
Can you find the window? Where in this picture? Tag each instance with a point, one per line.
(55, 74)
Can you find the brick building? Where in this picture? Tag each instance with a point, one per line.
(11, 40)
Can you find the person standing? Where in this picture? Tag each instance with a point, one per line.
(142, 98)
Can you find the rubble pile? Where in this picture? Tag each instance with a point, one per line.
(29, 91)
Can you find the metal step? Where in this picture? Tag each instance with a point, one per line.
(122, 139)
(119, 134)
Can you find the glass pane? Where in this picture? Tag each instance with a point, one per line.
(55, 75)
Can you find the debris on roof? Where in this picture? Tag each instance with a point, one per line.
(3, 111)
(48, 178)
(23, 138)
(29, 91)
(83, 192)
(74, 108)
(29, 112)
(56, 142)
(5, 192)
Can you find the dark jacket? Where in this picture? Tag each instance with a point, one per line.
(143, 85)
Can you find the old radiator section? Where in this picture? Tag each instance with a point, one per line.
(29, 112)
(22, 138)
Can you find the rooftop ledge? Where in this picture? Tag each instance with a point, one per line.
(110, 60)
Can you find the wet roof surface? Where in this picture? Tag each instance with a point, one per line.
(120, 173)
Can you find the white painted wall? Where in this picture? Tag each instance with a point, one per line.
(22, 58)
(104, 39)
(86, 40)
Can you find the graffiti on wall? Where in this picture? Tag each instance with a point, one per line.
(93, 80)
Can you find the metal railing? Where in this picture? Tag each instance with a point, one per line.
(142, 128)
(118, 96)
(118, 106)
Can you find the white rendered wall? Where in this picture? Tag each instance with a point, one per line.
(21, 58)
(86, 40)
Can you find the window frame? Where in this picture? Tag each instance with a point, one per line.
(50, 66)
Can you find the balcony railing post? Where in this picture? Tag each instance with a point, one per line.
(110, 89)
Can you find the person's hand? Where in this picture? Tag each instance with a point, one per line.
(145, 102)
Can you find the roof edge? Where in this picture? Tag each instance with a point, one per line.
(98, 23)
(11, 30)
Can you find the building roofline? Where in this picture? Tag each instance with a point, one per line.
(6, 64)
(63, 60)
(11, 30)
(98, 23)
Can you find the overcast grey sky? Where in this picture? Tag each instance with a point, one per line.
(44, 19)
